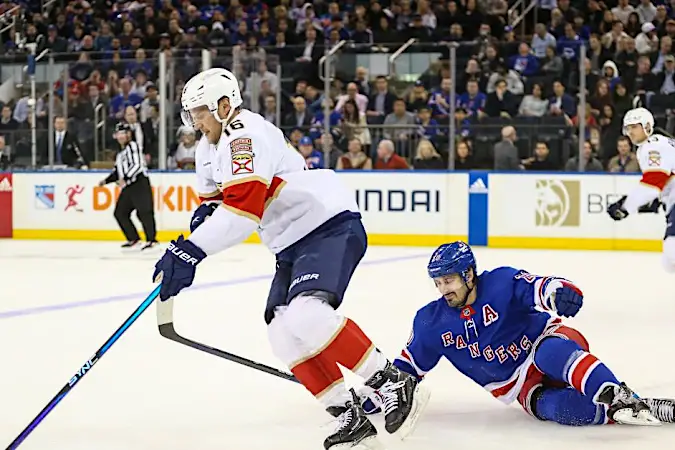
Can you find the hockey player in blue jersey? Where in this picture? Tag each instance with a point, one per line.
(503, 330)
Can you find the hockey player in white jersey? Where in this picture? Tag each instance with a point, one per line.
(656, 156)
(251, 179)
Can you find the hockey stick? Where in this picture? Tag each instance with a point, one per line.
(85, 368)
(167, 330)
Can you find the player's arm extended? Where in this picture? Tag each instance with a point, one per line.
(545, 294)
(418, 357)
(242, 207)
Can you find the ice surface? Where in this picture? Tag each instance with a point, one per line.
(59, 301)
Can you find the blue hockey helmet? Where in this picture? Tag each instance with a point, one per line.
(448, 259)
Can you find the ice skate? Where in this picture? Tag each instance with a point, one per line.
(151, 245)
(354, 430)
(131, 246)
(662, 408)
(404, 399)
(625, 407)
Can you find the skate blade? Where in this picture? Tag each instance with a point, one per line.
(369, 443)
(420, 401)
(643, 418)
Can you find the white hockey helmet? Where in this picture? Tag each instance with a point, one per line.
(206, 89)
(640, 116)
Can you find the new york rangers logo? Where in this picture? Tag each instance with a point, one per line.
(44, 196)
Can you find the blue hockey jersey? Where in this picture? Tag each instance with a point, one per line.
(489, 341)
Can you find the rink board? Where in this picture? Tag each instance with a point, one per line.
(523, 210)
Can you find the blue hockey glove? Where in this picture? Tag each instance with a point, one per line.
(567, 300)
(616, 210)
(177, 267)
(200, 215)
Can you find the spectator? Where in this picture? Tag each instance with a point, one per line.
(472, 101)
(645, 81)
(7, 123)
(561, 104)
(514, 84)
(463, 157)
(381, 101)
(541, 161)
(646, 10)
(633, 27)
(501, 102)
(601, 97)
(354, 124)
(387, 159)
(300, 117)
(125, 98)
(66, 147)
(399, 124)
(429, 128)
(427, 158)
(187, 147)
(439, 100)
(533, 105)
(355, 158)
(505, 151)
(568, 44)
(552, 64)
(5, 156)
(622, 101)
(625, 161)
(354, 95)
(313, 157)
(270, 109)
(418, 97)
(665, 50)
(622, 11)
(666, 78)
(591, 163)
(542, 40)
(597, 54)
(525, 63)
(647, 41)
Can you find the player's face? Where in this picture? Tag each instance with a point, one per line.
(453, 288)
(205, 122)
(636, 133)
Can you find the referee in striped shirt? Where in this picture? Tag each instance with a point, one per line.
(131, 174)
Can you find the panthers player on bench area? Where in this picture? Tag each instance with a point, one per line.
(502, 329)
(250, 178)
(656, 156)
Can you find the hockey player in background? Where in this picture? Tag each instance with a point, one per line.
(503, 330)
(250, 178)
(656, 156)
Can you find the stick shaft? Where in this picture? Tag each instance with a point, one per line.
(84, 369)
(167, 330)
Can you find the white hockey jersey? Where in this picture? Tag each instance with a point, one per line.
(656, 157)
(263, 184)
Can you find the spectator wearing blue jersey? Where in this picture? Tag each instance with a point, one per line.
(439, 100)
(525, 63)
(428, 127)
(569, 44)
(125, 98)
(472, 101)
(313, 157)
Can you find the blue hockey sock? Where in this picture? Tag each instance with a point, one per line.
(564, 360)
(567, 406)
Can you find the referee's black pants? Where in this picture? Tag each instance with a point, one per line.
(136, 196)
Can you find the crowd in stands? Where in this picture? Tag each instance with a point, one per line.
(517, 91)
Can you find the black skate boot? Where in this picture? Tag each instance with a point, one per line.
(662, 408)
(403, 399)
(131, 245)
(625, 407)
(355, 431)
(150, 245)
